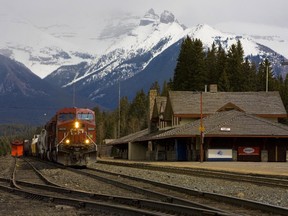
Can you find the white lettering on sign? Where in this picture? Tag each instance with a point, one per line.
(248, 150)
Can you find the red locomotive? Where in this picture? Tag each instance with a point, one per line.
(69, 138)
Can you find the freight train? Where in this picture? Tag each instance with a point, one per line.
(69, 138)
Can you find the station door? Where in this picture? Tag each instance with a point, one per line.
(276, 153)
(181, 150)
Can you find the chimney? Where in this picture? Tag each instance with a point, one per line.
(213, 88)
(152, 97)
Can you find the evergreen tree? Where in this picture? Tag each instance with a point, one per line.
(124, 116)
(284, 91)
(165, 89)
(156, 86)
(184, 65)
(221, 62)
(138, 112)
(234, 66)
(224, 83)
(211, 65)
(197, 78)
(249, 76)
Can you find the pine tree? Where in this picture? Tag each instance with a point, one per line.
(221, 62)
(138, 112)
(284, 91)
(124, 116)
(249, 76)
(197, 78)
(234, 66)
(183, 67)
(211, 65)
(165, 89)
(223, 83)
(156, 86)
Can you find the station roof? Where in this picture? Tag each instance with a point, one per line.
(129, 138)
(225, 124)
(258, 103)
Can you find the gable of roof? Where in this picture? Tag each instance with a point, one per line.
(159, 106)
(258, 103)
(229, 106)
(228, 124)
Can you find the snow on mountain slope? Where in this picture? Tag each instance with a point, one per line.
(274, 37)
(107, 42)
(131, 53)
(149, 38)
(208, 35)
(39, 51)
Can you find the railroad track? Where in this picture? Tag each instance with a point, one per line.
(113, 203)
(263, 180)
(242, 202)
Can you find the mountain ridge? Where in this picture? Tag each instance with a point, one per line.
(130, 50)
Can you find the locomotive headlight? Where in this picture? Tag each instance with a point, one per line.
(87, 141)
(67, 141)
(77, 124)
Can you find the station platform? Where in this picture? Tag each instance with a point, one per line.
(260, 168)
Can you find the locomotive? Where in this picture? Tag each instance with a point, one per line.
(69, 138)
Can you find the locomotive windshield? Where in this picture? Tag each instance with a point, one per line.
(85, 116)
(66, 116)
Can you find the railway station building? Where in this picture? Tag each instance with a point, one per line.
(210, 126)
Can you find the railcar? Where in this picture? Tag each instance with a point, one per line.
(17, 147)
(69, 138)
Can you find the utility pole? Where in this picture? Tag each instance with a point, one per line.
(201, 129)
(267, 77)
(74, 97)
(119, 109)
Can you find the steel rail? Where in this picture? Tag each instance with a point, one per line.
(227, 199)
(137, 203)
(80, 203)
(264, 180)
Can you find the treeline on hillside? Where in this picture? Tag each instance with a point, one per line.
(230, 71)
(130, 118)
(195, 68)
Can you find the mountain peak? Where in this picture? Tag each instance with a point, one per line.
(149, 17)
(151, 13)
(167, 17)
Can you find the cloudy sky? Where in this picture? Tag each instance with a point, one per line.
(188, 12)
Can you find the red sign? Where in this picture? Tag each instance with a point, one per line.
(248, 150)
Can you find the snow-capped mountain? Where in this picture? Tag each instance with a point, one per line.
(274, 37)
(130, 50)
(37, 48)
(132, 53)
